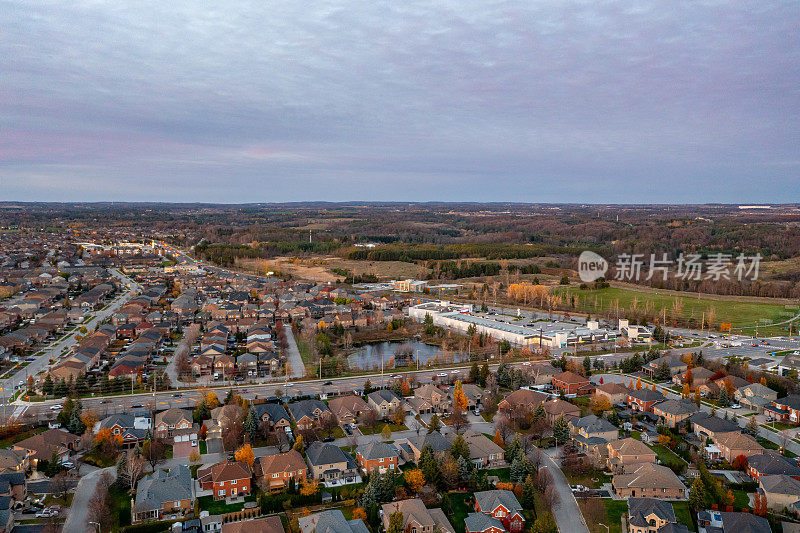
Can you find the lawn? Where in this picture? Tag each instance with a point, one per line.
(741, 500)
(461, 508)
(504, 474)
(614, 511)
(683, 514)
(10, 441)
(588, 480)
(120, 506)
(738, 313)
(203, 447)
(208, 503)
(669, 458)
(366, 430)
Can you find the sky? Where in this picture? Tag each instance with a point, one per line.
(271, 101)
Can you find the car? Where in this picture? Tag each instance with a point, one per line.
(328, 383)
(348, 430)
(328, 439)
(397, 376)
(289, 385)
(56, 407)
(45, 513)
(177, 395)
(106, 401)
(442, 374)
(526, 363)
(735, 406)
(136, 406)
(455, 371)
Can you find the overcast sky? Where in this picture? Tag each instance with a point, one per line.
(505, 101)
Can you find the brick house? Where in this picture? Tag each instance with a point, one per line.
(377, 455)
(501, 505)
(623, 453)
(274, 471)
(225, 479)
(786, 409)
(735, 443)
(770, 463)
(673, 412)
(615, 392)
(644, 400)
(163, 492)
(172, 419)
(572, 383)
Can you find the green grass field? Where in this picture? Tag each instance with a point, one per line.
(740, 314)
(683, 514)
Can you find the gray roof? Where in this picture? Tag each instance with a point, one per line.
(434, 439)
(306, 408)
(161, 486)
(640, 508)
(713, 423)
(320, 453)
(482, 522)
(377, 450)
(744, 523)
(274, 411)
(770, 463)
(780, 484)
(330, 522)
(593, 424)
(646, 395)
(383, 395)
(490, 499)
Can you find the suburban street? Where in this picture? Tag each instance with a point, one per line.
(55, 349)
(566, 512)
(78, 517)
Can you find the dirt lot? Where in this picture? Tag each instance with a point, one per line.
(319, 269)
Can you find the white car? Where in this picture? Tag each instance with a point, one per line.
(442, 374)
(526, 363)
(56, 407)
(290, 384)
(455, 371)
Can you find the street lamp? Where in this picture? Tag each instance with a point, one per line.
(605, 526)
(97, 524)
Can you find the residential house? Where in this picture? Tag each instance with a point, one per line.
(330, 522)
(521, 399)
(735, 443)
(14, 460)
(384, 402)
(416, 517)
(222, 417)
(672, 412)
(786, 409)
(432, 396)
(377, 455)
(644, 399)
(673, 363)
(627, 452)
(483, 452)
(591, 431)
(556, 408)
(483, 523)
(648, 480)
(503, 506)
(410, 449)
(163, 492)
(168, 421)
(45, 445)
(348, 409)
(274, 415)
(265, 524)
(330, 465)
(306, 413)
(725, 522)
(706, 426)
(572, 383)
(615, 392)
(782, 492)
(649, 515)
(699, 375)
(225, 479)
(274, 471)
(769, 463)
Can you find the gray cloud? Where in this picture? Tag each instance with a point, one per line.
(270, 101)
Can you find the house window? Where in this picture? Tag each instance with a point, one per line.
(221, 492)
(233, 482)
(177, 504)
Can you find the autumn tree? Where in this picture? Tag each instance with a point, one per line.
(298, 443)
(308, 487)
(599, 403)
(415, 479)
(154, 451)
(460, 400)
(638, 383)
(245, 455)
(434, 424)
(386, 432)
(498, 439)
(359, 513)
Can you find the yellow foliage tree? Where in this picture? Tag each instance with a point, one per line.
(460, 400)
(638, 383)
(245, 454)
(599, 403)
(687, 391)
(212, 402)
(298, 444)
(309, 487)
(415, 479)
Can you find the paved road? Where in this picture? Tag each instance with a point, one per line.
(567, 513)
(190, 334)
(77, 520)
(298, 369)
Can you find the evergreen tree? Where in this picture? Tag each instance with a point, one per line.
(429, 465)
(484, 374)
(697, 495)
(724, 399)
(518, 472)
(459, 448)
(751, 428)
(587, 365)
(434, 424)
(528, 500)
(513, 448)
(47, 386)
(538, 413)
(251, 424)
(474, 373)
(662, 372)
(561, 430)
(465, 468)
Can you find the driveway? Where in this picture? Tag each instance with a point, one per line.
(214, 446)
(77, 520)
(567, 513)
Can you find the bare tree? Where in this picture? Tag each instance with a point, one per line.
(458, 421)
(154, 452)
(327, 423)
(134, 466)
(60, 484)
(98, 505)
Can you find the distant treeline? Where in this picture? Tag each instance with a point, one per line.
(225, 254)
(413, 252)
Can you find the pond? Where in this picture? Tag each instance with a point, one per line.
(405, 353)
